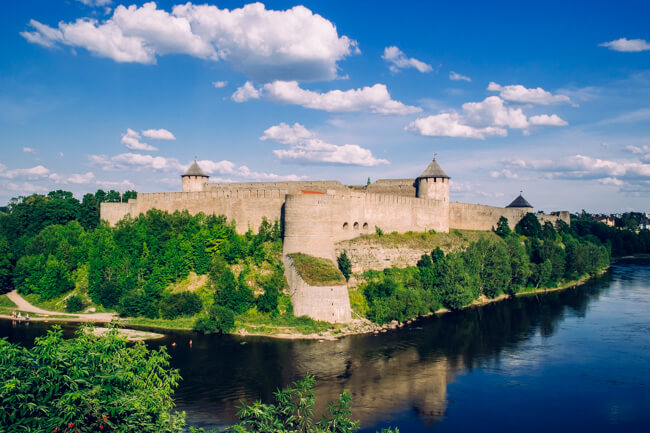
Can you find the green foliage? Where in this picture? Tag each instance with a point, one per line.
(317, 271)
(503, 229)
(272, 285)
(379, 231)
(219, 319)
(345, 266)
(175, 305)
(293, 412)
(87, 384)
(74, 304)
(6, 267)
(529, 226)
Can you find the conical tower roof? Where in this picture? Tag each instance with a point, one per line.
(433, 170)
(194, 170)
(520, 201)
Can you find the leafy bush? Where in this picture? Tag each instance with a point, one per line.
(54, 385)
(74, 304)
(219, 319)
(180, 304)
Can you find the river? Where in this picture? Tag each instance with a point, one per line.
(576, 360)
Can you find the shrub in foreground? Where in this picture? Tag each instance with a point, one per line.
(87, 384)
(74, 304)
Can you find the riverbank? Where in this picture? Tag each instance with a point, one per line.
(322, 332)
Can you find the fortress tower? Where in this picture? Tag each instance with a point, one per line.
(194, 178)
(433, 183)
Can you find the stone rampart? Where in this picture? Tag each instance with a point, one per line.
(468, 216)
(314, 222)
(326, 303)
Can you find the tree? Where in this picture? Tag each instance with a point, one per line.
(529, 226)
(503, 229)
(219, 319)
(87, 384)
(345, 266)
(6, 269)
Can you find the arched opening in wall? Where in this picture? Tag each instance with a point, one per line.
(365, 226)
(346, 226)
(356, 225)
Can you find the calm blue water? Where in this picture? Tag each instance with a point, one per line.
(577, 360)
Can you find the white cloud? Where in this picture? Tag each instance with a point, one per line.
(469, 189)
(546, 120)
(139, 162)
(611, 181)
(451, 125)
(519, 93)
(492, 111)
(627, 45)
(458, 77)
(584, 167)
(505, 173)
(96, 3)
(158, 134)
(263, 44)
(480, 120)
(37, 172)
(131, 139)
(373, 99)
(122, 185)
(80, 178)
(305, 146)
(29, 150)
(219, 84)
(398, 61)
(245, 92)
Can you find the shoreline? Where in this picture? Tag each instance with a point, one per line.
(356, 327)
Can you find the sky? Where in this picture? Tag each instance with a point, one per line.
(549, 98)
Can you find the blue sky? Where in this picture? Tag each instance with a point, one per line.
(551, 98)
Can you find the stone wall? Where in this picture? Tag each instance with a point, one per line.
(246, 206)
(468, 216)
(403, 187)
(326, 303)
(365, 256)
(289, 186)
(314, 222)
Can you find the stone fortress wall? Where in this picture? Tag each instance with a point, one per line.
(318, 214)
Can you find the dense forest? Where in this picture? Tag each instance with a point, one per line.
(529, 258)
(54, 245)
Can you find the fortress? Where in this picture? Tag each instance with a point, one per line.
(315, 215)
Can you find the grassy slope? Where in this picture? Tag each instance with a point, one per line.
(317, 271)
(425, 240)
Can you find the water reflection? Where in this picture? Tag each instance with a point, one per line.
(407, 374)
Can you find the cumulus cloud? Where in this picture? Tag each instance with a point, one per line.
(305, 146)
(470, 189)
(96, 3)
(629, 176)
(519, 93)
(265, 45)
(458, 77)
(158, 134)
(398, 61)
(131, 139)
(488, 118)
(219, 84)
(627, 45)
(546, 120)
(80, 178)
(371, 99)
(451, 125)
(29, 150)
(505, 173)
(36, 172)
(139, 162)
(245, 92)
(117, 185)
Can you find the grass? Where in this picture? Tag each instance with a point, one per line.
(182, 323)
(317, 271)
(255, 322)
(6, 302)
(451, 241)
(190, 283)
(58, 304)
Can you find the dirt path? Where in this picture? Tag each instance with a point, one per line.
(23, 305)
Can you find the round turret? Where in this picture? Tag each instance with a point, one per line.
(433, 183)
(194, 178)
